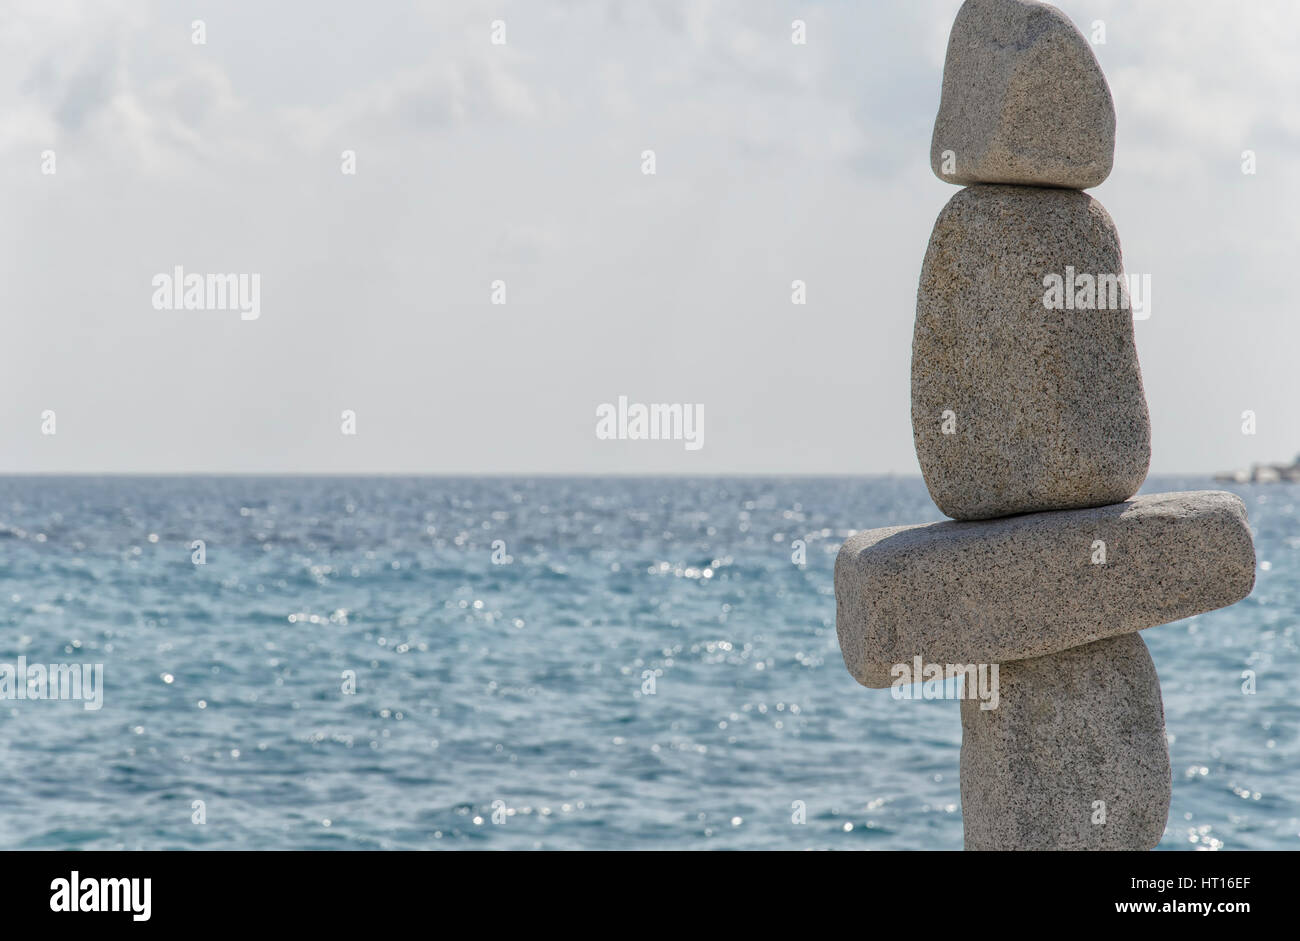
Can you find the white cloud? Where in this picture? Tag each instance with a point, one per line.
(521, 162)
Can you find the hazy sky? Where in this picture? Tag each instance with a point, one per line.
(523, 162)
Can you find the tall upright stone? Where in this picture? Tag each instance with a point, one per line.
(1107, 789)
(1019, 404)
(1031, 429)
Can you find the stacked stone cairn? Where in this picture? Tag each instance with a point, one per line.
(1032, 431)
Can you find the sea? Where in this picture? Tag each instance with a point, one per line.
(540, 663)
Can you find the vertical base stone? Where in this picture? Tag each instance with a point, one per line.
(1074, 757)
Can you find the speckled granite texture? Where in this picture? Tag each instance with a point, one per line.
(1047, 410)
(1074, 757)
(1025, 586)
(1032, 432)
(1024, 100)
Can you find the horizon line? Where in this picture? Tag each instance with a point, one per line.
(827, 475)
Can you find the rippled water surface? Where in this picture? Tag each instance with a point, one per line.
(522, 683)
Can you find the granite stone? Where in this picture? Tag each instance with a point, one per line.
(1024, 100)
(1074, 757)
(1026, 586)
(1018, 406)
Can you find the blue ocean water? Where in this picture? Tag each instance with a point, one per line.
(515, 690)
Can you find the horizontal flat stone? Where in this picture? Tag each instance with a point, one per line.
(1025, 586)
(1024, 100)
(1019, 406)
(1074, 757)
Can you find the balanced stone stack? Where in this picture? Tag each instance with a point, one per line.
(1031, 426)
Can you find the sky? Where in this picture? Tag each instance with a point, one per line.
(522, 162)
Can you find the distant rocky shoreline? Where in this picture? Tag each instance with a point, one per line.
(1264, 474)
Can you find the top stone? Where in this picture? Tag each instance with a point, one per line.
(1024, 100)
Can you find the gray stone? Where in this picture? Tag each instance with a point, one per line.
(1024, 100)
(1045, 406)
(1026, 586)
(1074, 757)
